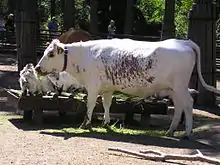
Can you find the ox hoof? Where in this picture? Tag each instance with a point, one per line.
(24, 94)
(106, 125)
(170, 133)
(186, 136)
(86, 126)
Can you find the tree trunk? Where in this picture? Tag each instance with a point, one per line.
(129, 17)
(69, 11)
(38, 28)
(26, 40)
(168, 27)
(11, 6)
(52, 8)
(93, 16)
(18, 31)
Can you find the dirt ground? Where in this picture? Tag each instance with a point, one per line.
(25, 143)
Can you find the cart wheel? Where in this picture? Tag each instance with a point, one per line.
(27, 115)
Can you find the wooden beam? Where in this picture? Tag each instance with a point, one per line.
(168, 26)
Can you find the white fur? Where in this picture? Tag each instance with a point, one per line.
(29, 81)
(134, 67)
(64, 80)
(168, 93)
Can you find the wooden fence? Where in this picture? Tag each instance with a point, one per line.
(8, 43)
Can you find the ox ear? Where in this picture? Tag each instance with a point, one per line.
(47, 43)
(59, 47)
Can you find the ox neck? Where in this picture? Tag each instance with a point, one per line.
(76, 60)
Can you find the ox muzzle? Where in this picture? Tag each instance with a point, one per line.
(43, 73)
(39, 71)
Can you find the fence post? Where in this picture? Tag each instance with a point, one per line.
(202, 27)
(93, 16)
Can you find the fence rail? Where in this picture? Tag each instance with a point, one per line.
(8, 39)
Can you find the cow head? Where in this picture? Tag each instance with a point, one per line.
(54, 59)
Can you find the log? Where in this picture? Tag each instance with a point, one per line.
(160, 156)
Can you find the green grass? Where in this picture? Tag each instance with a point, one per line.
(111, 130)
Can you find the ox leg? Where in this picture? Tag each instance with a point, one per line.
(107, 100)
(177, 112)
(182, 102)
(91, 102)
(188, 114)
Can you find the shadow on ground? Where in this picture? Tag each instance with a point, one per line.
(8, 59)
(56, 126)
(9, 79)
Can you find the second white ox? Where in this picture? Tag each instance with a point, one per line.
(133, 67)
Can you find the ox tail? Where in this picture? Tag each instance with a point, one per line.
(196, 48)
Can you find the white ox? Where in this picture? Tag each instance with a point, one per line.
(134, 67)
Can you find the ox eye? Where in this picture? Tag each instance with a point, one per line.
(50, 55)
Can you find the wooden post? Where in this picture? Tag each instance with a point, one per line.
(11, 6)
(52, 8)
(18, 30)
(38, 28)
(168, 26)
(26, 40)
(202, 26)
(69, 11)
(93, 16)
(129, 17)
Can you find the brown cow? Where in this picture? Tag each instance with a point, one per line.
(74, 35)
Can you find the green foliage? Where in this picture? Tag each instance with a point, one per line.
(182, 9)
(3, 6)
(82, 13)
(154, 10)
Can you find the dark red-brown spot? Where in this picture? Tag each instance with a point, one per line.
(149, 64)
(77, 69)
(150, 79)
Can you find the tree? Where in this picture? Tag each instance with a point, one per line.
(26, 32)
